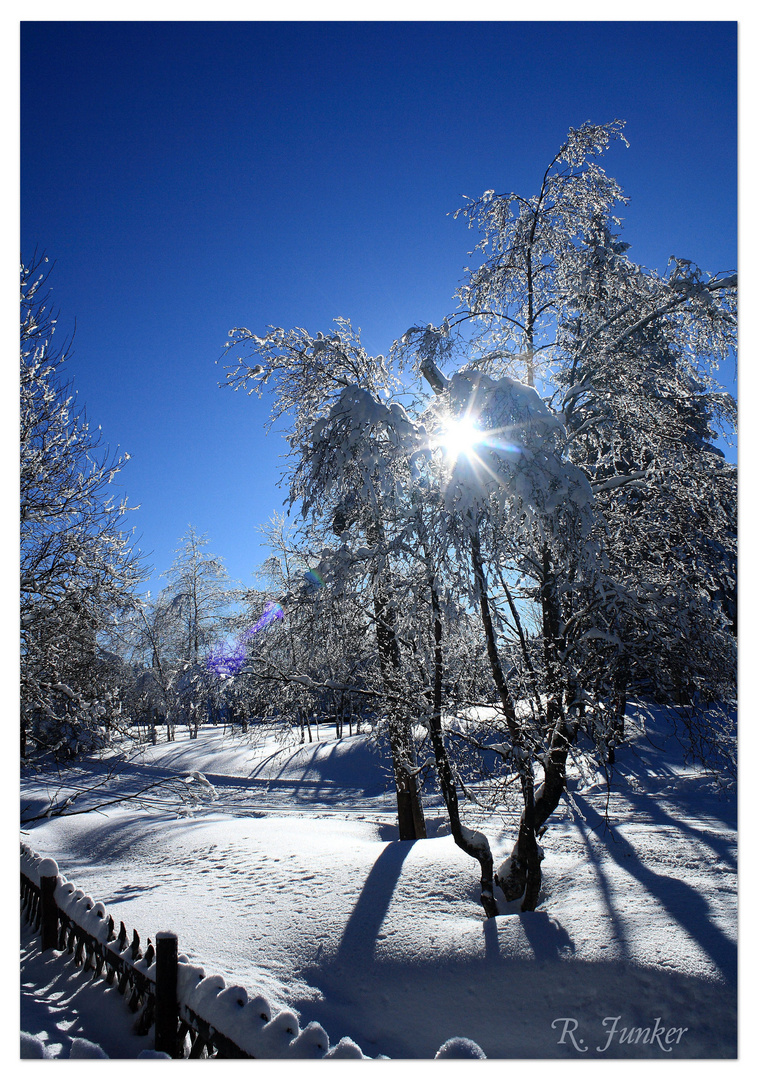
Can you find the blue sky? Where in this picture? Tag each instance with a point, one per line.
(191, 177)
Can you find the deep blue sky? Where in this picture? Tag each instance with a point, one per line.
(191, 177)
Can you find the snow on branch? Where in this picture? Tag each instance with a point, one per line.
(618, 481)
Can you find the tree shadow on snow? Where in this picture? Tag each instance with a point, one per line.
(548, 939)
(668, 810)
(684, 904)
(362, 928)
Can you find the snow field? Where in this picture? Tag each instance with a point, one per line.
(325, 915)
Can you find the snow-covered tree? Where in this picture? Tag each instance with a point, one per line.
(310, 680)
(169, 637)
(512, 302)
(627, 601)
(513, 502)
(77, 565)
(644, 429)
(346, 467)
(199, 598)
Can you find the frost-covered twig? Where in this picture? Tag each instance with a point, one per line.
(63, 808)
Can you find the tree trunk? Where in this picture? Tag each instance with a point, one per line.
(523, 869)
(521, 873)
(472, 843)
(411, 823)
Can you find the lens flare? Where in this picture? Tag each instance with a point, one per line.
(229, 659)
(273, 611)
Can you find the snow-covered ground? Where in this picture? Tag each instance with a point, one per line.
(286, 877)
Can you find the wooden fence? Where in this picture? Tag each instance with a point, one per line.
(193, 1015)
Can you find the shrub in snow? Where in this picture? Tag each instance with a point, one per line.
(83, 1048)
(460, 1048)
(32, 1047)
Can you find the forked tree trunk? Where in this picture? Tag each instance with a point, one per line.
(472, 843)
(517, 875)
(520, 875)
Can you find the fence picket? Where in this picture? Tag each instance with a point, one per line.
(166, 1007)
(49, 911)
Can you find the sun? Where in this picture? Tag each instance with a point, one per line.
(459, 436)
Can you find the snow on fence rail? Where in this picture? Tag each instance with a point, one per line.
(194, 1015)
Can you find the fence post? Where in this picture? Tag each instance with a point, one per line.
(48, 871)
(166, 1015)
